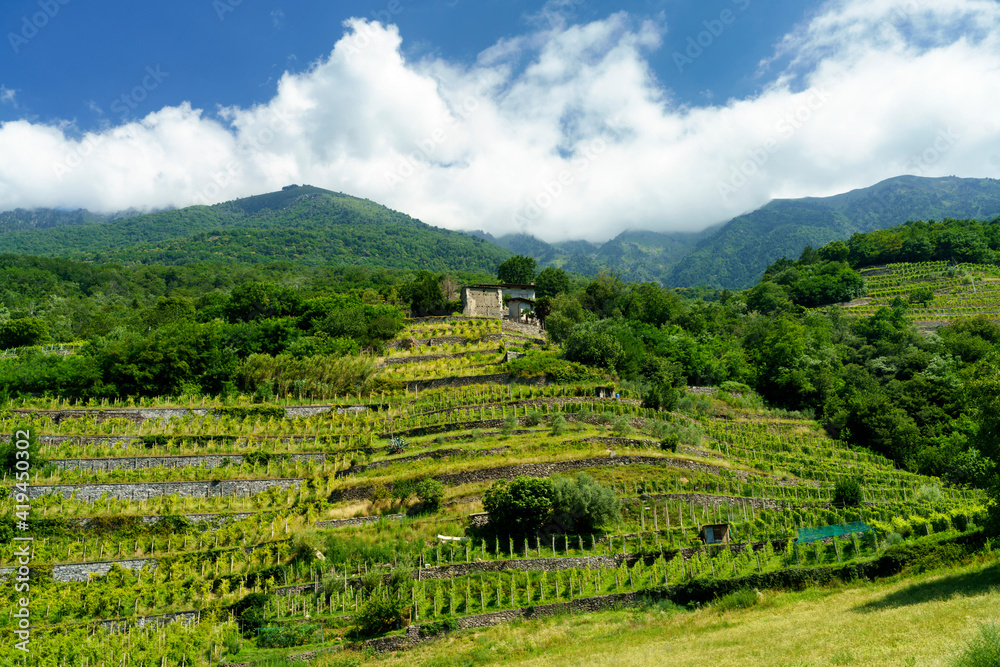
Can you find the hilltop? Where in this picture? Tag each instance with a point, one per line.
(736, 255)
(305, 225)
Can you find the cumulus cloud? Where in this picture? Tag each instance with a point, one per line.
(565, 132)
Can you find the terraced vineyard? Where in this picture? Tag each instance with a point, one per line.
(959, 291)
(175, 533)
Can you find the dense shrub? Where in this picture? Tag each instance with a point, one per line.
(378, 615)
(660, 397)
(518, 507)
(847, 493)
(581, 504)
(431, 493)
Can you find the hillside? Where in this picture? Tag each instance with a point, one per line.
(240, 532)
(736, 255)
(634, 255)
(304, 224)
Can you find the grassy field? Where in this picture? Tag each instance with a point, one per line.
(919, 619)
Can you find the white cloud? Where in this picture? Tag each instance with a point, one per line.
(8, 96)
(565, 132)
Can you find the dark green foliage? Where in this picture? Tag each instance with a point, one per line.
(670, 442)
(430, 492)
(551, 282)
(249, 613)
(307, 225)
(438, 627)
(285, 636)
(847, 493)
(378, 615)
(260, 301)
(660, 397)
(518, 507)
(424, 295)
(581, 504)
(609, 344)
(23, 332)
(922, 295)
(518, 269)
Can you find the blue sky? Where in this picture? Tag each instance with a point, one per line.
(565, 118)
(231, 52)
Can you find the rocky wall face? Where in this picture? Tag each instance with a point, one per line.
(207, 461)
(142, 491)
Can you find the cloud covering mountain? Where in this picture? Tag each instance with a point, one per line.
(563, 132)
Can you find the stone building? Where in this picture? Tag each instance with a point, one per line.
(490, 300)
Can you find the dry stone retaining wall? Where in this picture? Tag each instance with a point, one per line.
(140, 415)
(67, 572)
(358, 521)
(145, 462)
(143, 491)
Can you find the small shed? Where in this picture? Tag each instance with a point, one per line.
(715, 533)
(604, 392)
(517, 305)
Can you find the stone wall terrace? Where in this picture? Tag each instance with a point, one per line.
(143, 491)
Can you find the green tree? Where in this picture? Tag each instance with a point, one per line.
(847, 493)
(519, 507)
(260, 300)
(517, 269)
(424, 294)
(23, 332)
(581, 504)
(431, 493)
(566, 312)
(768, 297)
(551, 282)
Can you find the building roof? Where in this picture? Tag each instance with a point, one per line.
(503, 286)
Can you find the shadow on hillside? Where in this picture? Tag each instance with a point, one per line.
(945, 588)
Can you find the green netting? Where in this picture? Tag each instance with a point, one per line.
(823, 532)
